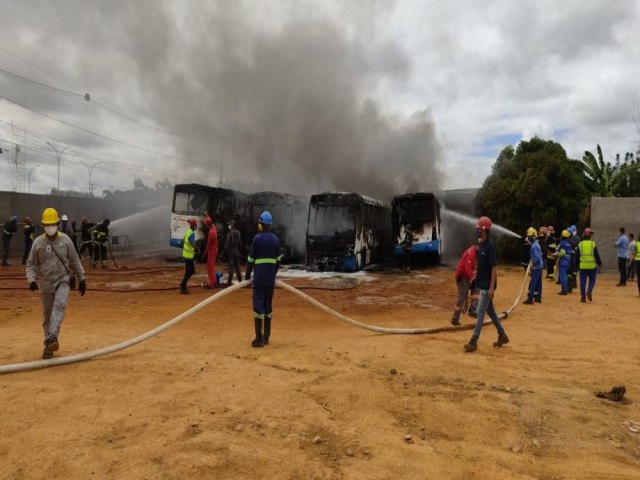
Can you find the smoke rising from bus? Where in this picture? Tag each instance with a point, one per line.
(290, 108)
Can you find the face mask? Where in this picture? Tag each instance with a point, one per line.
(51, 230)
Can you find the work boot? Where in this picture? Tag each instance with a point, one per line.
(455, 318)
(589, 297)
(183, 291)
(538, 300)
(528, 301)
(47, 354)
(257, 342)
(562, 293)
(472, 346)
(502, 340)
(267, 330)
(583, 300)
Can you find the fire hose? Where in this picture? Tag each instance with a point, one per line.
(37, 364)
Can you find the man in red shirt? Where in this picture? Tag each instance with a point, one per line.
(465, 276)
(211, 251)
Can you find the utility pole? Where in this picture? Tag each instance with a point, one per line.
(16, 151)
(59, 154)
(221, 159)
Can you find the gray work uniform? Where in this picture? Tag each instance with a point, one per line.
(54, 277)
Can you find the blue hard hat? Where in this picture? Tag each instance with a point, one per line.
(572, 229)
(265, 218)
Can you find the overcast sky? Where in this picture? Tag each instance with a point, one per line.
(377, 97)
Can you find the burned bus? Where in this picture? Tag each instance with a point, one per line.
(195, 201)
(289, 220)
(346, 231)
(420, 212)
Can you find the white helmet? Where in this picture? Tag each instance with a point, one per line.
(64, 218)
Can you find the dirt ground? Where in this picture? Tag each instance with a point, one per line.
(325, 400)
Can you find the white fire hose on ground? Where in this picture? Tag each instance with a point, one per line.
(37, 364)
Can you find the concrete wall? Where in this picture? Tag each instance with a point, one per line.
(32, 205)
(608, 214)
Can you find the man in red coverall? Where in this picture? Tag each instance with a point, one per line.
(211, 251)
(465, 276)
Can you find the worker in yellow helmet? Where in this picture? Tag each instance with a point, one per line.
(537, 265)
(53, 258)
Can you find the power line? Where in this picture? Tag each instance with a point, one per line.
(105, 137)
(99, 103)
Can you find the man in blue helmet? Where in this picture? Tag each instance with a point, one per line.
(264, 257)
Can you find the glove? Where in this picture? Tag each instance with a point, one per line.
(82, 288)
(72, 282)
(33, 286)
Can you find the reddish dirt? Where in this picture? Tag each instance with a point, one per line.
(198, 402)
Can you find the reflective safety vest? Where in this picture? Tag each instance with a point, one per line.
(587, 255)
(637, 253)
(188, 251)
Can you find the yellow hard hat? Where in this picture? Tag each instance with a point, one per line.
(50, 216)
(565, 234)
(531, 232)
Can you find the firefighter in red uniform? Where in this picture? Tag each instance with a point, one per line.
(211, 251)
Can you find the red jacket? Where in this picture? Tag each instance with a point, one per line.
(467, 264)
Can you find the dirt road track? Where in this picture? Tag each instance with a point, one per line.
(325, 400)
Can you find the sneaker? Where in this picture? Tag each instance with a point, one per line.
(589, 297)
(528, 301)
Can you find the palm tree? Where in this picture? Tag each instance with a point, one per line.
(599, 176)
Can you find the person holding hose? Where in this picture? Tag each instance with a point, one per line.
(101, 237)
(265, 256)
(589, 262)
(564, 261)
(189, 254)
(465, 279)
(211, 251)
(537, 265)
(54, 259)
(486, 282)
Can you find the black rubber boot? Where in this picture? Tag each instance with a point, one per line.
(472, 346)
(502, 340)
(455, 318)
(257, 342)
(267, 330)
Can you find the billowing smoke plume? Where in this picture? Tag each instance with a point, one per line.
(293, 108)
(293, 95)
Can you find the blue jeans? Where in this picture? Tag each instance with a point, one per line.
(485, 304)
(591, 275)
(535, 286)
(563, 269)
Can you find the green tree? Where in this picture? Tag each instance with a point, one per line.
(535, 184)
(626, 182)
(598, 175)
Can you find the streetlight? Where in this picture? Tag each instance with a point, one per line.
(31, 170)
(90, 168)
(59, 154)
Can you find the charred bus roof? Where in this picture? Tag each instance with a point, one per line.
(267, 198)
(337, 199)
(417, 197)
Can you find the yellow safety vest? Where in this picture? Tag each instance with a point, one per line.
(188, 251)
(637, 252)
(587, 256)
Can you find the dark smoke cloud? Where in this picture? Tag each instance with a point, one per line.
(292, 94)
